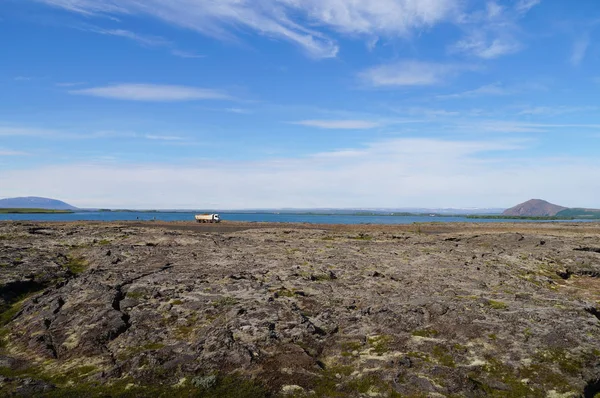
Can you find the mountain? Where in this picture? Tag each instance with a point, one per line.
(33, 202)
(534, 208)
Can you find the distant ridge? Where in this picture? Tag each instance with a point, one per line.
(534, 208)
(33, 202)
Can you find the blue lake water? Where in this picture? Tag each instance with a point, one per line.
(250, 217)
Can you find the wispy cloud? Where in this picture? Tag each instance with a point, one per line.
(56, 134)
(579, 49)
(494, 31)
(490, 89)
(240, 111)
(408, 73)
(23, 78)
(10, 131)
(289, 20)
(144, 40)
(482, 46)
(186, 54)
(555, 110)
(163, 137)
(339, 124)
(504, 126)
(524, 6)
(69, 84)
(152, 92)
(6, 152)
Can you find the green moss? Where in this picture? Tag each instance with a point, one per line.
(328, 384)
(328, 238)
(351, 345)
(443, 356)
(76, 265)
(495, 370)
(365, 385)
(565, 361)
(7, 313)
(285, 293)
(320, 277)
(497, 305)
(73, 383)
(104, 242)
(380, 344)
(177, 302)
(425, 333)
(420, 355)
(3, 337)
(225, 302)
(135, 295)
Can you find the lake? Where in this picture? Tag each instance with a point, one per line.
(252, 217)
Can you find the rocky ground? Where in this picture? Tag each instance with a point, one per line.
(251, 310)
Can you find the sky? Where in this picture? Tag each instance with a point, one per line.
(238, 104)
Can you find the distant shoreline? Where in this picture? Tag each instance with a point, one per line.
(34, 211)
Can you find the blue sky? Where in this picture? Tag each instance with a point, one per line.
(300, 103)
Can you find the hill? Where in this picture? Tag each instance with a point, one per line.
(33, 202)
(534, 208)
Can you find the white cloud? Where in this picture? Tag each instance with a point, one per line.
(340, 124)
(486, 48)
(490, 89)
(163, 137)
(394, 173)
(6, 152)
(186, 54)
(579, 49)
(555, 110)
(408, 73)
(296, 21)
(524, 6)
(152, 92)
(10, 131)
(494, 31)
(69, 84)
(151, 41)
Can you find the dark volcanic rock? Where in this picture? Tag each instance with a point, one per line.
(303, 311)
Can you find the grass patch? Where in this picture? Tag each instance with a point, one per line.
(135, 295)
(225, 302)
(443, 356)
(565, 362)
(420, 355)
(231, 386)
(76, 265)
(431, 333)
(9, 312)
(3, 336)
(380, 344)
(497, 305)
(285, 293)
